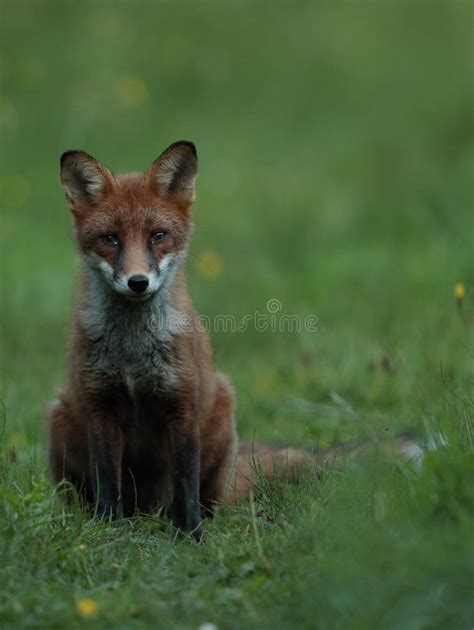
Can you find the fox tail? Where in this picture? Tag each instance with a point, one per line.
(254, 460)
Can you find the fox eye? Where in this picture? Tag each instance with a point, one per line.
(110, 240)
(157, 237)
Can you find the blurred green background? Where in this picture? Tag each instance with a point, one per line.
(335, 146)
(336, 152)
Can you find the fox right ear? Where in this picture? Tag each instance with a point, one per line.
(174, 173)
(84, 179)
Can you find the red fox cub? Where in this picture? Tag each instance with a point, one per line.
(144, 420)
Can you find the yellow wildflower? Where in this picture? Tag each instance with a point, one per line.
(209, 265)
(459, 291)
(86, 607)
(132, 91)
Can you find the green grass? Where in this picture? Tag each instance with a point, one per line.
(336, 153)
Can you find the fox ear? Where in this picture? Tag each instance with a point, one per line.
(174, 172)
(84, 179)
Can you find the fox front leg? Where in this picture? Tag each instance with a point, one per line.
(185, 507)
(106, 452)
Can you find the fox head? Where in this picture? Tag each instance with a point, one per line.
(132, 229)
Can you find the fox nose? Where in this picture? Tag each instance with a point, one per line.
(138, 283)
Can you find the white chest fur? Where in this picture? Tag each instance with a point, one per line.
(131, 342)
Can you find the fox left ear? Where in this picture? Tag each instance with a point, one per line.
(174, 172)
(84, 179)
